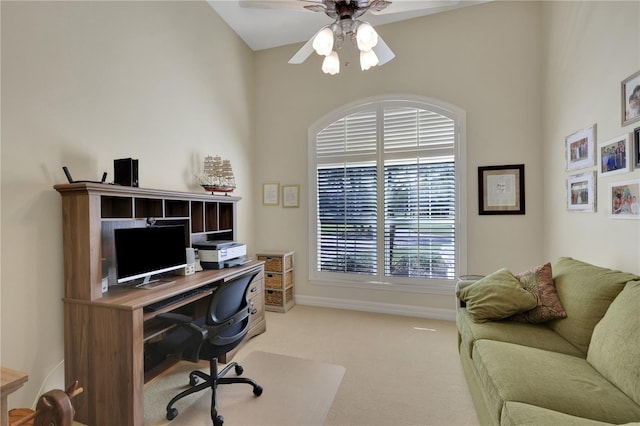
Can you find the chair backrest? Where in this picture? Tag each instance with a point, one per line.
(228, 316)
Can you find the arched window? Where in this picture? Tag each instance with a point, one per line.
(386, 194)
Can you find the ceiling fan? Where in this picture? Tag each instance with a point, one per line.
(346, 27)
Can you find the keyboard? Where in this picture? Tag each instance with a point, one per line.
(175, 299)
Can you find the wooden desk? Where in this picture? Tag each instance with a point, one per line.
(104, 343)
(12, 380)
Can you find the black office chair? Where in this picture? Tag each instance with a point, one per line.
(221, 330)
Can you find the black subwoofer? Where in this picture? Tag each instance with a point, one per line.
(125, 172)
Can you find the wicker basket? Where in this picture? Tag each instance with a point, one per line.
(277, 264)
(278, 281)
(274, 297)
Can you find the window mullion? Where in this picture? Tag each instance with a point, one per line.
(380, 189)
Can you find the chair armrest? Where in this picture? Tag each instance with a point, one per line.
(184, 321)
(175, 318)
(189, 334)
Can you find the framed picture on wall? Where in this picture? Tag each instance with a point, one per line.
(636, 148)
(290, 195)
(613, 156)
(631, 99)
(501, 189)
(270, 194)
(581, 192)
(580, 148)
(624, 199)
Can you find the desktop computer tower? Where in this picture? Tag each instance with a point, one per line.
(125, 172)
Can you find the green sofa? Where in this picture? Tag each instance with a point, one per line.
(583, 369)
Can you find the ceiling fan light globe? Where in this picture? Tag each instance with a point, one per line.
(331, 64)
(368, 59)
(366, 37)
(323, 42)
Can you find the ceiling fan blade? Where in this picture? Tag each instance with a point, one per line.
(399, 6)
(383, 52)
(298, 5)
(316, 7)
(304, 52)
(378, 5)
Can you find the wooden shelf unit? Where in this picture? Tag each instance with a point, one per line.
(105, 333)
(278, 280)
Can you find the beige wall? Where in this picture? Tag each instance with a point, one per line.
(84, 83)
(590, 48)
(167, 83)
(483, 59)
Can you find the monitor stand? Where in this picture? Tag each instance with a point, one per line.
(148, 284)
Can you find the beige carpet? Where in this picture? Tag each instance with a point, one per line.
(296, 392)
(400, 371)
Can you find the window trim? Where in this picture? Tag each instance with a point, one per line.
(458, 116)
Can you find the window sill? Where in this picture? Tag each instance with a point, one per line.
(441, 287)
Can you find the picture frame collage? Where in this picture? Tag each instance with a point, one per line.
(615, 156)
(272, 192)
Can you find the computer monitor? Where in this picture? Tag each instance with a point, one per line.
(149, 253)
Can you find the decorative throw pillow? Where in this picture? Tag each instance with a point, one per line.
(539, 281)
(496, 296)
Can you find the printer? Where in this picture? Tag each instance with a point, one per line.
(219, 254)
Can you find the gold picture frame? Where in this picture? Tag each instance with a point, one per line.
(290, 196)
(271, 194)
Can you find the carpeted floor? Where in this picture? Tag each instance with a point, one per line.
(296, 392)
(399, 370)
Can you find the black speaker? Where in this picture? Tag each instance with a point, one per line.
(125, 171)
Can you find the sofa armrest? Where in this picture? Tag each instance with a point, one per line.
(466, 281)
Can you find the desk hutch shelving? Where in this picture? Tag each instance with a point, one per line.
(105, 333)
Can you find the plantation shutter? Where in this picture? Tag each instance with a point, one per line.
(347, 195)
(391, 169)
(419, 193)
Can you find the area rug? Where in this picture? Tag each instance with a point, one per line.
(296, 392)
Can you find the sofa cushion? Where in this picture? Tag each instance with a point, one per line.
(539, 281)
(555, 381)
(534, 335)
(496, 296)
(586, 291)
(615, 345)
(519, 414)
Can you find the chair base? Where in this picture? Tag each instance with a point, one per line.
(209, 383)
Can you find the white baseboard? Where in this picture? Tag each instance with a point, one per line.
(381, 308)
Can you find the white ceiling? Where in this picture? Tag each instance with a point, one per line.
(266, 27)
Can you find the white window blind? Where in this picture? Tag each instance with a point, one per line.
(386, 195)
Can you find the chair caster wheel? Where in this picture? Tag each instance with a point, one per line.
(193, 380)
(172, 413)
(239, 370)
(257, 390)
(219, 420)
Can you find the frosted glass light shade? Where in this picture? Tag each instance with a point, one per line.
(368, 59)
(323, 42)
(366, 37)
(331, 64)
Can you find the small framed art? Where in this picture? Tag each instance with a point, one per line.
(290, 195)
(270, 194)
(581, 148)
(631, 99)
(623, 199)
(636, 148)
(613, 156)
(501, 189)
(581, 192)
